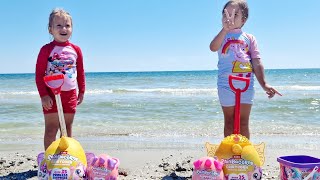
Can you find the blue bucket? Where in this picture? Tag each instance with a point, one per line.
(299, 167)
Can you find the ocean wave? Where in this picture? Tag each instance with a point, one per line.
(298, 87)
(99, 91)
(169, 135)
(155, 90)
(19, 93)
(176, 91)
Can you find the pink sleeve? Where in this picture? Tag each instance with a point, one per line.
(80, 71)
(40, 71)
(254, 51)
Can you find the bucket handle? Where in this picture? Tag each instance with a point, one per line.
(315, 169)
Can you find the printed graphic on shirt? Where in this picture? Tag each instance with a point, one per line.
(239, 51)
(62, 62)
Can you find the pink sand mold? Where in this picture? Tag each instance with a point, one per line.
(207, 168)
(103, 167)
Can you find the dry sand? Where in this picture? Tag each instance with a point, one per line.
(143, 163)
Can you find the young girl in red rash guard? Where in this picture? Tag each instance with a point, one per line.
(60, 57)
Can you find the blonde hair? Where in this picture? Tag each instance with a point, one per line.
(243, 5)
(58, 12)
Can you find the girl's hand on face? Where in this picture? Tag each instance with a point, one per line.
(228, 21)
(46, 102)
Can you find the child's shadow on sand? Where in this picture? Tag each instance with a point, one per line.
(21, 175)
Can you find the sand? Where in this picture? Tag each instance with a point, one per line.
(150, 163)
(137, 164)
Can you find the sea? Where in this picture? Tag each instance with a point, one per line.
(164, 110)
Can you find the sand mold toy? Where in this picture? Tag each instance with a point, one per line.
(103, 167)
(207, 168)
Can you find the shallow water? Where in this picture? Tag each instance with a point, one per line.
(164, 109)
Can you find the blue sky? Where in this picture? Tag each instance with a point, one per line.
(158, 35)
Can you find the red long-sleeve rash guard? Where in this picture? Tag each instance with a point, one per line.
(57, 58)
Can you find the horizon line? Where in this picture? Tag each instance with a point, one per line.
(159, 71)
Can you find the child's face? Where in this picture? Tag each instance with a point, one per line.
(238, 19)
(61, 28)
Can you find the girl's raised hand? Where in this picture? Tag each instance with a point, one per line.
(228, 21)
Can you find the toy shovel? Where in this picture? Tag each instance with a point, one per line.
(238, 91)
(54, 82)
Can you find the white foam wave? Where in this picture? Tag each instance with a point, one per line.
(156, 90)
(99, 91)
(19, 93)
(176, 91)
(299, 87)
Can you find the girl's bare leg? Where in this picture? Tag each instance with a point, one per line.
(245, 110)
(228, 113)
(51, 128)
(69, 120)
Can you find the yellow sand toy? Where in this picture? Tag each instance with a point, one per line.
(242, 160)
(64, 158)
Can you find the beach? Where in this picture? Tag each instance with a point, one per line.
(157, 123)
(143, 163)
